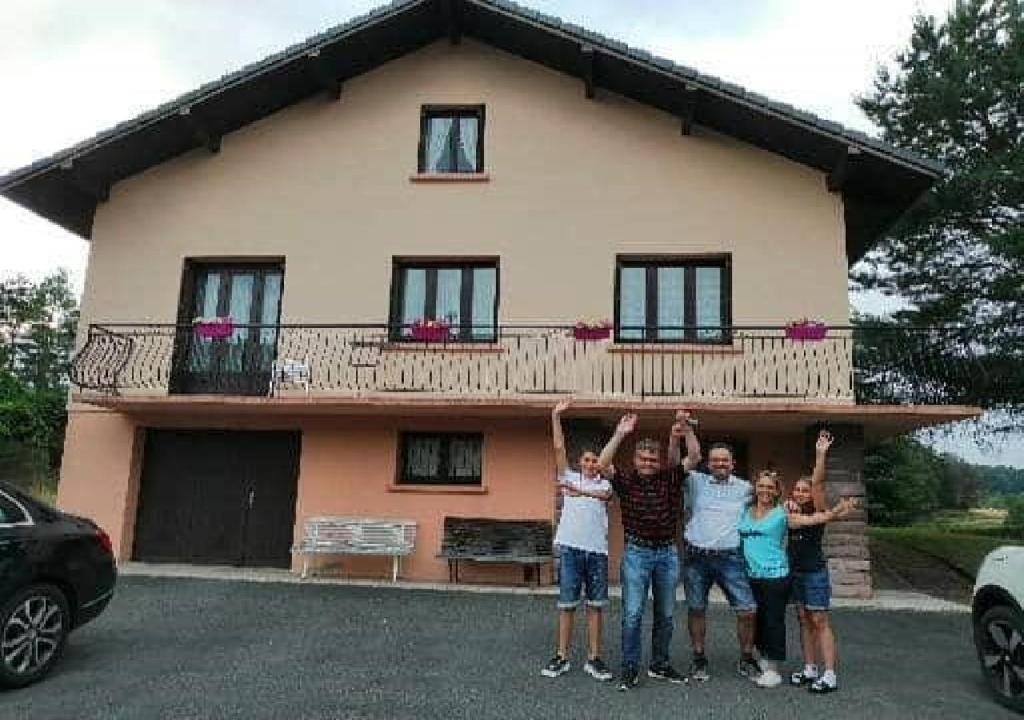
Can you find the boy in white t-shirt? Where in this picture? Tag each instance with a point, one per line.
(582, 539)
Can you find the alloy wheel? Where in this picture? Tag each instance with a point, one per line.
(32, 635)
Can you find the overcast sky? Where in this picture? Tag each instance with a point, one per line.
(73, 68)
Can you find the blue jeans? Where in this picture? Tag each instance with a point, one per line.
(581, 569)
(645, 570)
(813, 590)
(724, 567)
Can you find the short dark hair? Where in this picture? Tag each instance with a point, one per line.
(722, 446)
(588, 449)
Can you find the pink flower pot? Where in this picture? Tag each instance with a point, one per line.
(425, 333)
(591, 333)
(215, 330)
(803, 333)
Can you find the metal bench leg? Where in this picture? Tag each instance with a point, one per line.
(394, 568)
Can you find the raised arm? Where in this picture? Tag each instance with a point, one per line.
(821, 447)
(821, 517)
(626, 425)
(685, 423)
(558, 438)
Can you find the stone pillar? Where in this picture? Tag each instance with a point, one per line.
(846, 541)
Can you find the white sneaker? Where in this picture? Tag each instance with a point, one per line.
(769, 679)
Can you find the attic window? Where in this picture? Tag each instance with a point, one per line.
(451, 139)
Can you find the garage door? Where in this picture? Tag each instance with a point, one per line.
(217, 497)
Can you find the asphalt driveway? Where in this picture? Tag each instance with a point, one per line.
(181, 649)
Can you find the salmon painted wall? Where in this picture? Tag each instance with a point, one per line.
(349, 468)
(99, 473)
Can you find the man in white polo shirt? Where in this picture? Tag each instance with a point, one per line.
(717, 501)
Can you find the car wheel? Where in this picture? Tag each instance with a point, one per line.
(999, 637)
(34, 627)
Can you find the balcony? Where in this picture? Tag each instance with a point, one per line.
(850, 366)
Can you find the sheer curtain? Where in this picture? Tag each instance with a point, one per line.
(467, 145)
(632, 302)
(438, 156)
(671, 286)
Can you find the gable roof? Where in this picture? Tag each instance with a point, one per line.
(878, 181)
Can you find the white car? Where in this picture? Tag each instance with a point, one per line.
(999, 624)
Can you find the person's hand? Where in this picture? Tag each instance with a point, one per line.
(685, 418)
(845, 506)
(570, 491)
(627, 424)
(679, 430)
(791, 506)
(824, 442)
(607, 471)
(561, 407)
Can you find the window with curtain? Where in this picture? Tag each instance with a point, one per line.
(441, 459)
(462, 295)
(451, 139)
(673, 300)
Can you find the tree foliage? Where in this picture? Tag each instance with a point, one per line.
(37, 327)
(956, 94)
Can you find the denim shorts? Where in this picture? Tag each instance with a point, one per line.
(579, 569)
(813, 590)
(725, 568)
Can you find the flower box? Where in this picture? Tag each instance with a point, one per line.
(806, 330)
(215, 329)
(431, 331)
(582, 332)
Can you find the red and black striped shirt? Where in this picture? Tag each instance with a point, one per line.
(652, 506)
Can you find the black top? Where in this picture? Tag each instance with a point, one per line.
(805, 553)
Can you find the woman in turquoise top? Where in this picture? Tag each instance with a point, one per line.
(763, 531)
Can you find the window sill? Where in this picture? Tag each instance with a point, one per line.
(673, 348)
(439, 489)
(420, 346)
(450, 177)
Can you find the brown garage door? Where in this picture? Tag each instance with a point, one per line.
(218, 497)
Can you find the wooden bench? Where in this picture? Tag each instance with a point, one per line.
(486, 540)
(357, 536)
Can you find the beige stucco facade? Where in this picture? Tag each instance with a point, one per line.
(571, 183)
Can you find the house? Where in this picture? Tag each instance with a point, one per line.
(410, 212)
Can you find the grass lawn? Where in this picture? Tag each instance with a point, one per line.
(961, 550)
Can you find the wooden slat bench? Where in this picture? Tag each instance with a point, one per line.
(487, 540)
(357, 536)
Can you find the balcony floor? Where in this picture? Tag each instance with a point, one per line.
(755, 414)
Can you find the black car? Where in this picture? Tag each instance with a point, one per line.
(57, 572)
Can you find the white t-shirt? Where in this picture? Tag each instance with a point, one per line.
(584, 523)
(715, 510)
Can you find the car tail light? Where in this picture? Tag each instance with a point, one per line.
(104, 541)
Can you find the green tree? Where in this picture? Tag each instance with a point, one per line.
(956, 94)
(37, 326)
(902, 479)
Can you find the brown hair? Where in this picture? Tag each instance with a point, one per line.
(648, 445)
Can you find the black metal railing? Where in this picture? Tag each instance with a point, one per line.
(866, 365)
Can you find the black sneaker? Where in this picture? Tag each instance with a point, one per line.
(800, 678)
(597, 669)
(747, 667)
(820, 687)
(556, 666)
(699, 669)
(665, 672)
(630, 679)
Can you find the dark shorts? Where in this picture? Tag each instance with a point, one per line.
(727, 569)
(813, 590)
(579, 570)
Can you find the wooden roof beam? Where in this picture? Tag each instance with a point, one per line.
(202, 134)
(688, 109)
(836, 180)
(587, 61)
(451, 20)
(325, 77)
